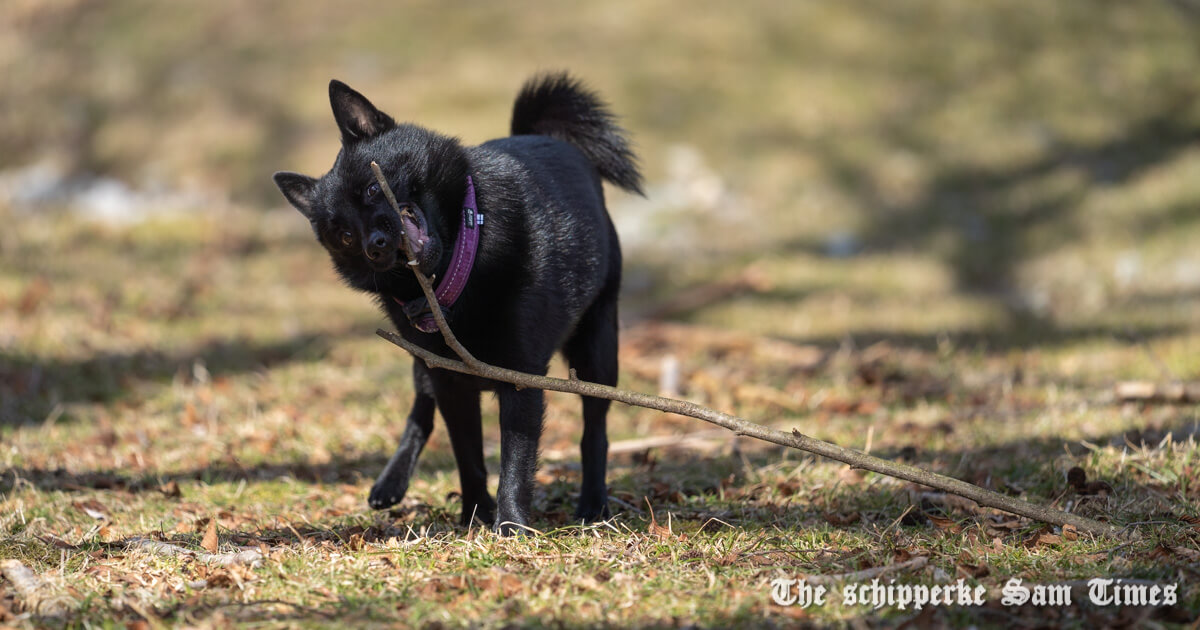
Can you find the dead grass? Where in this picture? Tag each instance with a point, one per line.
(268, 410)
(962, 224)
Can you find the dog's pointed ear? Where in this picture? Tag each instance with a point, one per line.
(299, 190)
(356, 117)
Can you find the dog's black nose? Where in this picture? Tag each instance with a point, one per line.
(377, 245)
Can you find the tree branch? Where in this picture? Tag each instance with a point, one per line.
(250, 557)
(40, 597)
(470, 365)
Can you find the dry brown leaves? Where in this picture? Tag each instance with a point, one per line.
(1045, 537)
(944, 524)
(92, 508)
(234, 575)
(659, 531)
(209, 542)
(1176, 553)
(171, 489)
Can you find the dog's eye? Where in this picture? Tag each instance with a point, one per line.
(347, 238)
(372, 190)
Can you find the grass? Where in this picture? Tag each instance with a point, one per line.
(271, 409)
(965, 224)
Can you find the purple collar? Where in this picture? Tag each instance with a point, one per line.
(452, 284)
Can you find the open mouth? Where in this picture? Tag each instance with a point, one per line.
(416, 231)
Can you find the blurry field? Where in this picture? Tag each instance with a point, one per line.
(942, 231)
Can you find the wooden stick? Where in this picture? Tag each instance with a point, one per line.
(39, 597)
(249, 557)
(699, 439)
(470, 365)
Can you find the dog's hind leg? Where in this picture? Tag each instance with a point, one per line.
(392, 483)
(458, 401)
(592, 353)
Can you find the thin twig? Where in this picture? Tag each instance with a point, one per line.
(472, 366)
(438, 316)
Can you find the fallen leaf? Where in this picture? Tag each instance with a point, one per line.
(209, 542)
(171, 489)
(1163, 552)
(220, 578)
(1190, 555)
(92, 508)
(1049, 539)
(1069, 532)
(1041, 539)
(945, 524)
(662, 533)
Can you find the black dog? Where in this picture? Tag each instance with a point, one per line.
(525, 259)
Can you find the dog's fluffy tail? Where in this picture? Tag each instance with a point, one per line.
(558, 106)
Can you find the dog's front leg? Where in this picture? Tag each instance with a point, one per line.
(392, 483)
(520, 428)
(458, 400)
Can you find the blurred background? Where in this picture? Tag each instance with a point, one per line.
(1002, 177)
(936, 230)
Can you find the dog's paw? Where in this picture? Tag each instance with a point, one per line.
(481, 512)
(512, 520)
(382, 498)
(590, 511)
(509, 528)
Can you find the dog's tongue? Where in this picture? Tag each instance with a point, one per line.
(417, 238)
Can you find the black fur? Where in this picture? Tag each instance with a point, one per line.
(545, 279)
(558, 106)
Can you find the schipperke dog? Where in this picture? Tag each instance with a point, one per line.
(524, 257)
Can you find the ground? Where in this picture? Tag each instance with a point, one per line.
(940, 233)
